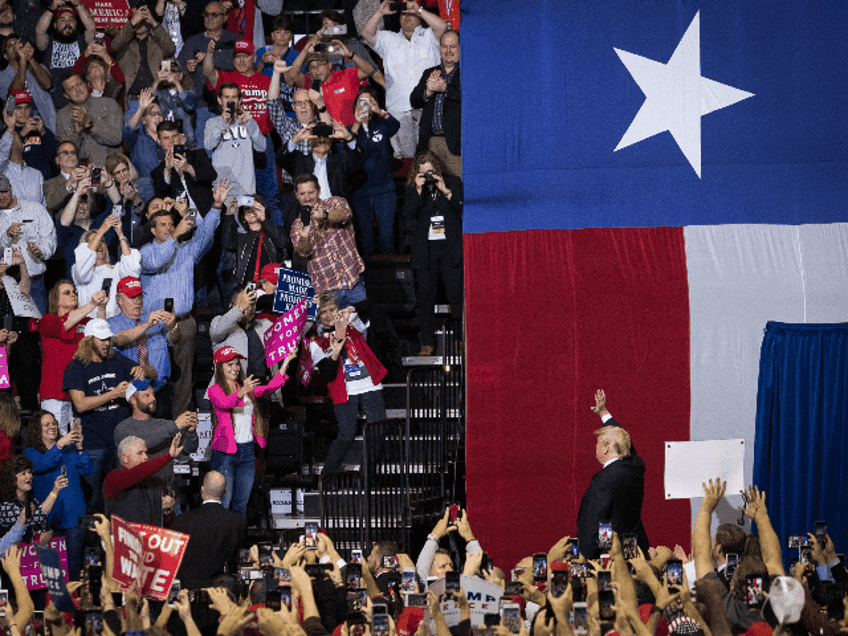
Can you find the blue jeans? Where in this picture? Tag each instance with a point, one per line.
(348, 297)
(102, 461)
(267, 186)
(366, 207)
(239, 469)
(74, 543)
(38, 292)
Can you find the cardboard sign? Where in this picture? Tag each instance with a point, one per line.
(4, 368)
(54, 576)
(31, 567)
(292, 287)
(108, 13)
(282, 337)
(149, 557)
(482, 598)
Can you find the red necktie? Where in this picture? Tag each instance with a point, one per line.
(142, 347)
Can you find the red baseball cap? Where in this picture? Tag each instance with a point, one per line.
(130, 287)
(225, 354)
(269, 273)
(63, 10)
(21, 97)
(244, 46)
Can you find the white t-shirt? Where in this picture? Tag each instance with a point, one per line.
(404, 62)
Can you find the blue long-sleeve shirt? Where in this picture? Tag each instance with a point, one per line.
(157, 344)
(70, 504)
(167, 269)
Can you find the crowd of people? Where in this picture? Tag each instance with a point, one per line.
(731, 583)
(177, 161)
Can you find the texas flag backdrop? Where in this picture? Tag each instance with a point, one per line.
(647, 184)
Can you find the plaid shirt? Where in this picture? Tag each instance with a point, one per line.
(438, 112)
(333, 262)
(287, 127)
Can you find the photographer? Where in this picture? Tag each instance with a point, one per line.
(434, 203)
(231, 139)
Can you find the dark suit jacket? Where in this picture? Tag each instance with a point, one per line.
(199, 186)
(215, 536)
(615, 496)
(452, 115)
(344, 168)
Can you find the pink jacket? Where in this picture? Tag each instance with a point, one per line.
(224, 439)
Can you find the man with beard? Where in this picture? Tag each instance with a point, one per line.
(156, 433)
(67, 42)
(25, 73)
(96, 379)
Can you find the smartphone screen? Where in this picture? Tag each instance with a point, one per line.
(453, 514)
(407, 580)
(356, 556)
(755, 590)
(310, 537)
(628, 546)
(674, 573)
(540, 566)
(451, 584)
(605, 536)
(511, 615)
(820, 532)
(604, 579)
(731, 561)
(354, 575)
(580, 618)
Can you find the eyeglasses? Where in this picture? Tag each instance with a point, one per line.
(301, 102)
(67, 152)
(209, 14)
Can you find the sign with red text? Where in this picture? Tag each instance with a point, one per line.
(31, 566)
(108, 13)
(281, 337)
(148, 558)
(4, 368)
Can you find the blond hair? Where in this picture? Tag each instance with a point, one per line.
(618, 438)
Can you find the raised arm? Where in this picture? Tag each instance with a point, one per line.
(369, 31)
(701, 544)
(755, 509)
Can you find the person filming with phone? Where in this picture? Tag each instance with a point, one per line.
(615, 494)
(53, 455)
(144, 337)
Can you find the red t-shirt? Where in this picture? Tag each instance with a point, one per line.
(340, 94)
(254, 92)
(59, 348)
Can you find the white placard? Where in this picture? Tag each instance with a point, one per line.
(281, 501)
(690, 464)
(204, 436)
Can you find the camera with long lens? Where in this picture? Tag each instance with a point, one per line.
(429, 187)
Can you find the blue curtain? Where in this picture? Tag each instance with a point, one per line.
(799, 453)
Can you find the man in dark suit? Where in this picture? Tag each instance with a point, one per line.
(616, 492)
(215, 534)
(439, 95)
(184, 172)
(341, 166)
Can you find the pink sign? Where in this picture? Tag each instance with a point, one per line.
(4, 368)
(283, 335)
(31, 568)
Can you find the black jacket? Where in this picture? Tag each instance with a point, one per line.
(452, 115)
(244, 245)
(420, 209)
(345, 170)
(614, 495)
(199, 186)
(215, 536)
